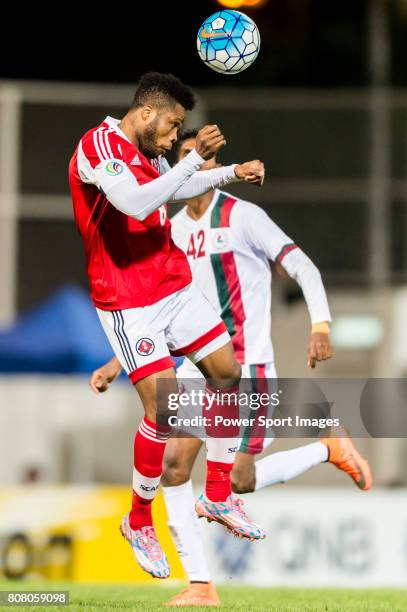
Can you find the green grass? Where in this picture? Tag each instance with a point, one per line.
(99, 598)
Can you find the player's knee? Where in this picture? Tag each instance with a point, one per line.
(236, 372)
(233, 372)
(175, 474)
(243, 482)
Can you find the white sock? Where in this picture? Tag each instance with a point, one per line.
(280, 467)
(222, 450)
(186, 530)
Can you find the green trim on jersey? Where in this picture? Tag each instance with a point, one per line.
(223, 293)
(219, 273)
(215, 215)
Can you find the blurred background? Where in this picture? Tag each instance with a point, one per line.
(325, 107)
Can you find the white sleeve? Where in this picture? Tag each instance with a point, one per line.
(120, 186)
(202, 181)
(260, 232)
(300, 267)
(267, 237)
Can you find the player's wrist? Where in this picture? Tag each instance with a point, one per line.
(237, 172)
(194, 158)
(321, 327)
(230, 174)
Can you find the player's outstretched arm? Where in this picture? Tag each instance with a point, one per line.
(266, 236)
(300, 267)
(102, 377)
(203, 181)
(124, 192)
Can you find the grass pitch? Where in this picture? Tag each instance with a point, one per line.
(105, 598)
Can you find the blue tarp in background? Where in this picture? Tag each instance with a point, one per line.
(62, 335)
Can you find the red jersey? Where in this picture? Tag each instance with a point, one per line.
(130, 263)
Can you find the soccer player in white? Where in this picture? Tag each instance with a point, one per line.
(229, 244)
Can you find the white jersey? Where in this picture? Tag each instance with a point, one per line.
(229, 249)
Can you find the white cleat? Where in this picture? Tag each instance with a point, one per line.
(231, 515)
(146, 548)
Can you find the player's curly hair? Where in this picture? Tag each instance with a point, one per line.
(158, 88)
(182, 137)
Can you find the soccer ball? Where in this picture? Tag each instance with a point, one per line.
(228, 41)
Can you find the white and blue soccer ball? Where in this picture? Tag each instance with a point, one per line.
(228, 41)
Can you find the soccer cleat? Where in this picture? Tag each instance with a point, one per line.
(231, 515)
(343, 453)
(146, 548)
(196, 594)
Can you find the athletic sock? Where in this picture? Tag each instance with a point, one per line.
(149, 446)
(186, 531)
(283, 466)
(221, 444)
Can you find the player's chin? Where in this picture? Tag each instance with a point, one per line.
(162, 150)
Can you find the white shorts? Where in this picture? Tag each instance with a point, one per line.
(183, 323)
(255, 438)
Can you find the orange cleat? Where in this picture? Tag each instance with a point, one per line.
(196, 594)
(343, 453)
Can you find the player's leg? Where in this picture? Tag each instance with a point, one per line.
(218, 504)
(249, 475)
(244, 473)
(149, 446)
(138, 340)
(198, 332)
(222, 373)
(256, 438)
(180, 455)
(285, 465)
(212, 352)
(276, 468)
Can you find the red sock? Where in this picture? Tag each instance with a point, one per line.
(218, 485)
(149, 446)
(221, 445)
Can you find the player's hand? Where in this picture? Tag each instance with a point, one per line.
(319, 348)
(209, 140)
(251, 172)
(102, 377)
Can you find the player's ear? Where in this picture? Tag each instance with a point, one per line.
(148, 113)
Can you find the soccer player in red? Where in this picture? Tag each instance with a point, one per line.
(142, 288)
(197, 220)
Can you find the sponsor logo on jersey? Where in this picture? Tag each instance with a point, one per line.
(114, 168)
(220, 240)
(232, 449)
(145, 346)
(135, 161)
